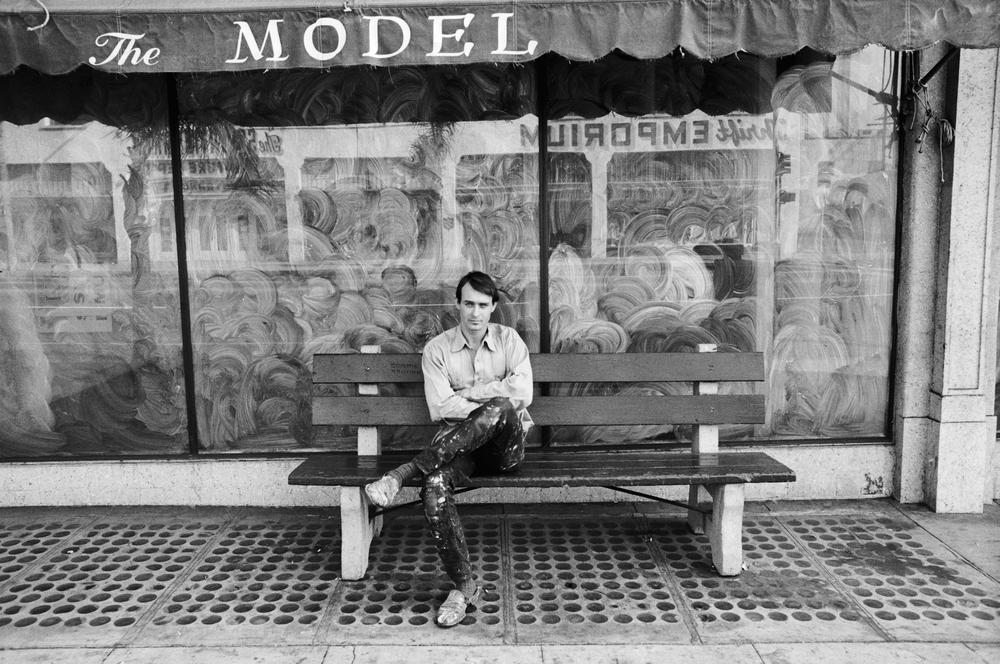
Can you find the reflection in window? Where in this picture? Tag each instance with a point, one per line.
(669, 262)
(761, 220)
(380, 221)
(833, 273)
(747, 202)
(90, 344)
(369, 237)
(497, 199)
(61, 213)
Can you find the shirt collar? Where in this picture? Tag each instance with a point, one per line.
(458, 341)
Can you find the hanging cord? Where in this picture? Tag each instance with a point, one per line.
(945, 131)
(946, 136)
(47, 15)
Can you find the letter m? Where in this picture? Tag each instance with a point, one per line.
(272, 38)
(678, 135)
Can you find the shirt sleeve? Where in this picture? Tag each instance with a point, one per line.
(517, 386)
(442, 402)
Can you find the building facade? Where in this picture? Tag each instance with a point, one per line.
(181, 229)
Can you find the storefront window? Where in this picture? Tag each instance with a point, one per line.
(834, 249)
(351, 201)
(90, 338)
(745, 202)
(662, 247)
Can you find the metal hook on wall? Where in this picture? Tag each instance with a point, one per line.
(922, 83)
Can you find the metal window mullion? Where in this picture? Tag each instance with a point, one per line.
(542, 101)
(544, 335)
(187, 343)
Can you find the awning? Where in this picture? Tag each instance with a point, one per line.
(55, 36)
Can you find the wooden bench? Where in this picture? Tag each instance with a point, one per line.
(716, 479)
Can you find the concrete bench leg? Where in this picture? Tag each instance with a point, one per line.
(357, 530)
(698, 497)
(725, 528)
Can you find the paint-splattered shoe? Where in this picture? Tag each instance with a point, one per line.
(452, 610)
(383, 490)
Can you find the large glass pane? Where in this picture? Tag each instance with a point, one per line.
(746, 203)
(339, 209)
(90, 343)
(835, 247)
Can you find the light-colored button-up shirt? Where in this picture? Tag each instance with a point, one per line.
(499, 368)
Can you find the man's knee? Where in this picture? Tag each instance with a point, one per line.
(499, 406)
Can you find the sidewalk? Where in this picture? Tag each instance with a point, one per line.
(837, 582)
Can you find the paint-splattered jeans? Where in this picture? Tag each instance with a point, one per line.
(490, 439)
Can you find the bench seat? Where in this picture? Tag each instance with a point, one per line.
(556, 467)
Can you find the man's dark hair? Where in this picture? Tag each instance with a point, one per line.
(480, 281)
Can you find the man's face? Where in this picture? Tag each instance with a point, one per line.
(474, 311)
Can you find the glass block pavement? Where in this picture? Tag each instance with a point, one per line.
(594, 574)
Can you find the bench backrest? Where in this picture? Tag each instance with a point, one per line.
(703, 407)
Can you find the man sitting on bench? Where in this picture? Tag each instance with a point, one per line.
(477, 382)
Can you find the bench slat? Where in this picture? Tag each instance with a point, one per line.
(550, 468)
(558, 410)
(555, 367)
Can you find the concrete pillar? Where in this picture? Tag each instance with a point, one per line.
(921, 209)
(992, 312)
(962, 435)
(993, 451)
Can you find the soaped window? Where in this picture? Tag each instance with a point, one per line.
(90, 313)
(339, 208)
